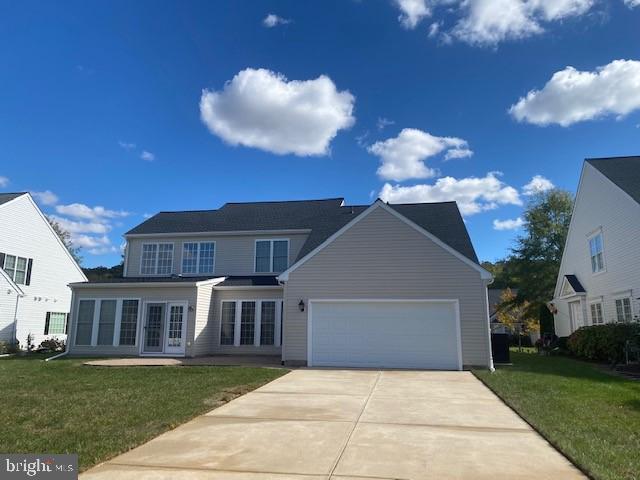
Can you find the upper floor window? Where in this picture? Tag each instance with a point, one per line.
(198, 257)
(157, 259)
(595, 250)
(623, 309)
(16, 268)
(272, 256)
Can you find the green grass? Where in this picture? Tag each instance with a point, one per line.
(64, 406)
(593, 417)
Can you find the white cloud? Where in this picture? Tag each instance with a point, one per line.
(383, 123)
(489, 22)
(273, 20)
(632, 3)
(473, 194)
(79, 210)
(573, 96)
(127, 145)
(74, 227)
(508, 224)
(45, 198)
(538, 184)
(94, 245)
(262, 109)
(4, 181)
(412, 12)
(147, 156)
(403, 157)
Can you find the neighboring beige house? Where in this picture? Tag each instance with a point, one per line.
(315, 282)
(599, 278)
(35, 270)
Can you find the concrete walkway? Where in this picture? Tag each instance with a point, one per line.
(350, 425)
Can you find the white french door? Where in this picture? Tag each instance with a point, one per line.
(165, 328)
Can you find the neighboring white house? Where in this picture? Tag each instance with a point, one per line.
(35, 270)
(599, 278)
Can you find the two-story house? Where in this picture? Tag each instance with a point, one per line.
(35, 270)
(313, 282)
(599, 277)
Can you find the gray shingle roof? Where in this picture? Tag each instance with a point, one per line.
(623, 171)
(7, 197)
(322, 217)
(575, 283)
(249, 281)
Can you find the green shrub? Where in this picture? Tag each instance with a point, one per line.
(605, 343)
(6, 347)
(51, 345)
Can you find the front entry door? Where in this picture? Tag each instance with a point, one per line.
(154, 328)
(176, 329)
(575, 310)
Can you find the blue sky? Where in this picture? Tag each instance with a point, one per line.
(122, 109)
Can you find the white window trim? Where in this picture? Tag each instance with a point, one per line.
(597, 301)
(622, 296)
(96, 321)
(270, 240)
(198, 272)
(257, 322)
(15, 267)
(590, 237)
(173, 252)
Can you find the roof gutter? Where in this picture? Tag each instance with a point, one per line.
(86, 285)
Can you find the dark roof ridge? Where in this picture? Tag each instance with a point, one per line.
(588, 159)
(285, 201)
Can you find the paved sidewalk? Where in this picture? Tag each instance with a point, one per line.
(348, 425)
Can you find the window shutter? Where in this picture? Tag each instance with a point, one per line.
(1, 260)
(29, 265)
(46, 324)
(66, 323)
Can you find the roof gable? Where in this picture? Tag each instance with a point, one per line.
(624, 172)
(388, 208)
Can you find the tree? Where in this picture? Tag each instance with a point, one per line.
(516, 315)
(503, 276)
(535, 260)
(66, 239)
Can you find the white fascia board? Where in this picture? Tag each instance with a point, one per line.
(11, 283)
(556, 292)
(484, 274)
(248, 287)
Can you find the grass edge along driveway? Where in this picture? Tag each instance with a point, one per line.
(592, 416)
(64, 406)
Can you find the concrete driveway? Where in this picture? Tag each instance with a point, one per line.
(350, 425)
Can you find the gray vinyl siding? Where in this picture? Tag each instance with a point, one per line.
(600, 204)
(234, 255)
(214, 320)
(203, 331)
(382, 257)
(165, 294)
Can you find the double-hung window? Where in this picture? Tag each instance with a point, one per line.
(198, 257)
(596, 313)
(157, 259)
(55, 323)
(111, 322)
(16, 268)
(623, 309)
(596, 253)
(272, 256)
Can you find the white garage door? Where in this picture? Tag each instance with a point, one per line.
(389, 334)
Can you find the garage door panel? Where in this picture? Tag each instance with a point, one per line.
(384, 334)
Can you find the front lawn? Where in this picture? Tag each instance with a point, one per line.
(98, 412)
(591, 416)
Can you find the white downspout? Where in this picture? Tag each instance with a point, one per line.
(486, 292)
(15, 319)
